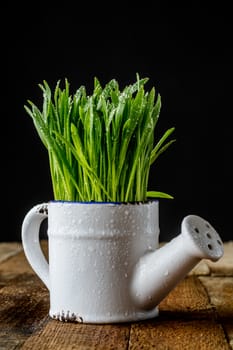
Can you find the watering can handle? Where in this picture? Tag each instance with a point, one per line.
(30, 240)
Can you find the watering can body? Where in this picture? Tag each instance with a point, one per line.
(105, 264)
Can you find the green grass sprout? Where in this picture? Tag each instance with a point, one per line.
(101, 147)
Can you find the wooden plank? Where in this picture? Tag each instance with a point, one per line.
(178, 334)
(197, 314)
(8, 249)
(188, 299)
(17, 264)
(201, 269)
(24, 308)
(14, 267)
(220, 291)
(176, 326)
(228, 327)
(59, 336)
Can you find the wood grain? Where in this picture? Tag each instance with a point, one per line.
(197, 313)
(177, 335)
(188, 299)
(57, 335)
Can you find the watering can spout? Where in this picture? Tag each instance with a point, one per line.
(158, 272)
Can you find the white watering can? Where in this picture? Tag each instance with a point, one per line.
(105, 264)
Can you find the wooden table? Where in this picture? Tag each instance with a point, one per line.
(197, 314)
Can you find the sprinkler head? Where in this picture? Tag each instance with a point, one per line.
(205, 238)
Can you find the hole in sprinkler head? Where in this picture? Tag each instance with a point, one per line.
(207, 225)
(208, 235)
(210, 247)
(196, 229)
(219, 242)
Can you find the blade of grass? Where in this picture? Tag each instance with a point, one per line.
(154, 153)
(157, 194)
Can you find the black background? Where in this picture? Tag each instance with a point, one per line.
(186, 51)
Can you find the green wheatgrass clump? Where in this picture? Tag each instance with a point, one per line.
(100, 147)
